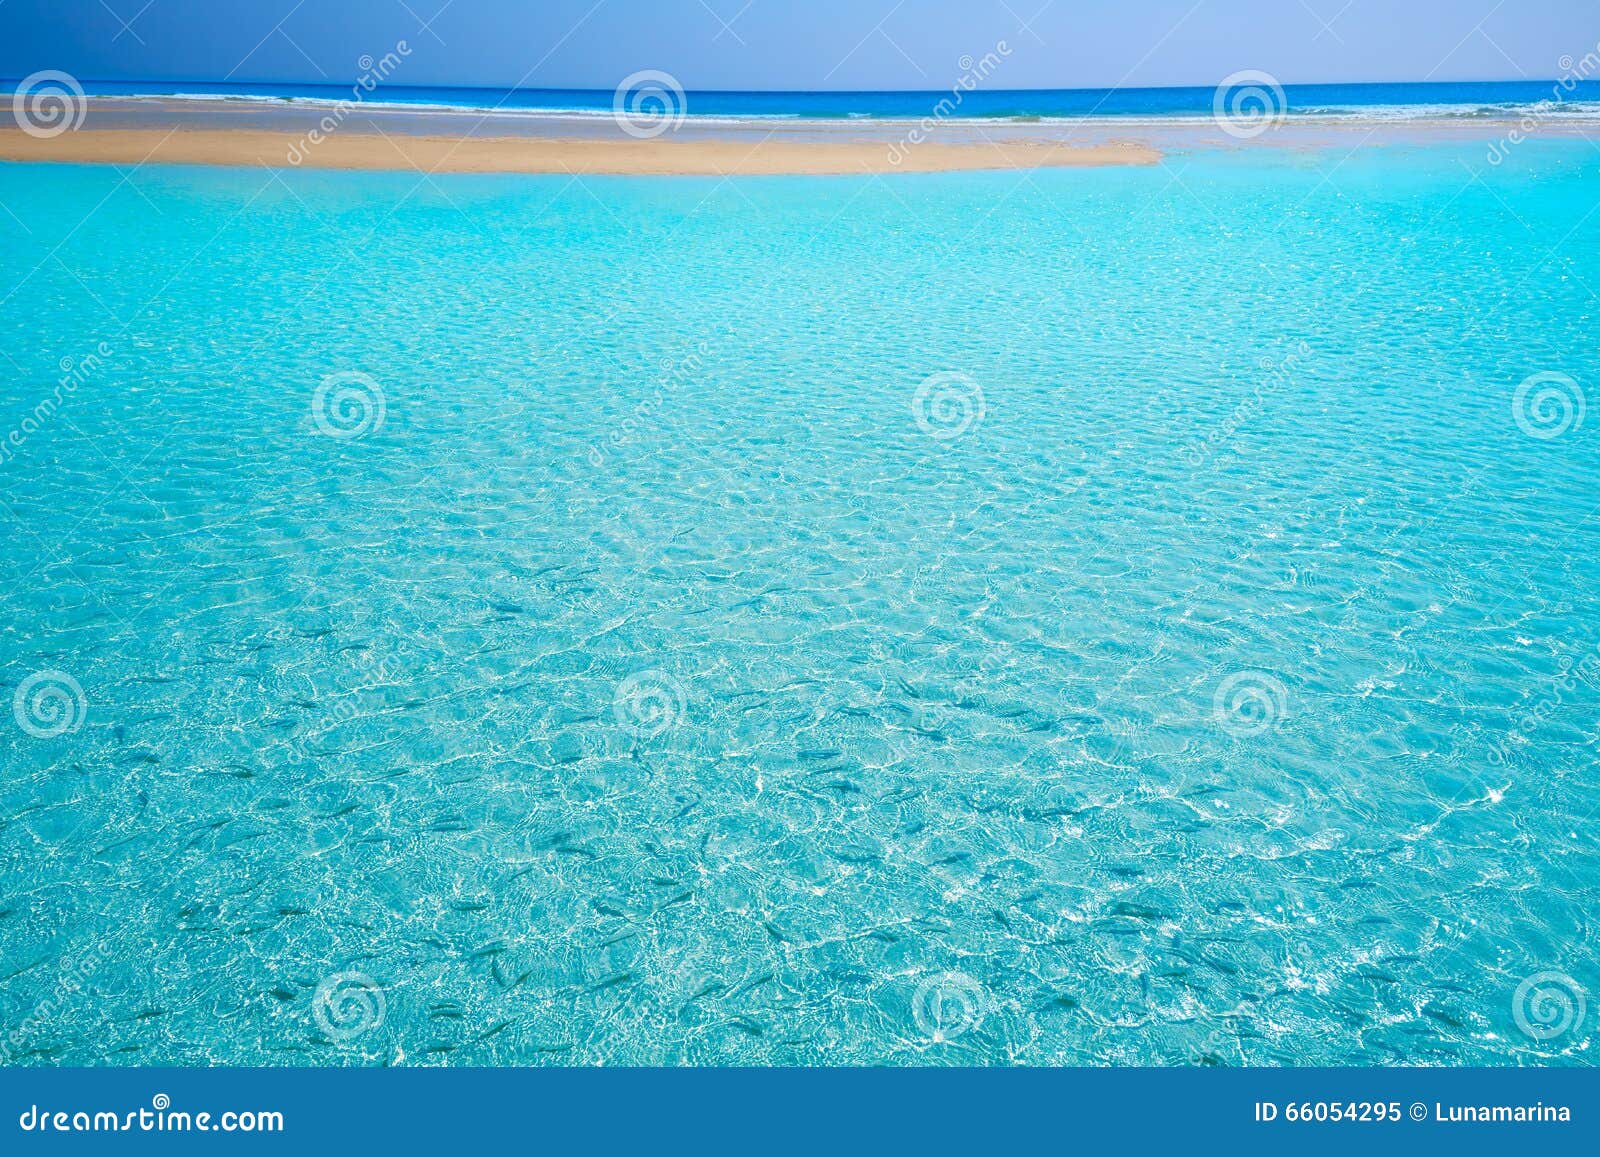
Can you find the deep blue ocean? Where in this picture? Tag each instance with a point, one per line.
(1477, 98)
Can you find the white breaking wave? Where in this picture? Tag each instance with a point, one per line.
(1577, 111)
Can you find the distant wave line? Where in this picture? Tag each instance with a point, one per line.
(1570, 110)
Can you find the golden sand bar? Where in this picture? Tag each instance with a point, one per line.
(654, 157)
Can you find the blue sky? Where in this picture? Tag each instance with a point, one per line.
(798, 44)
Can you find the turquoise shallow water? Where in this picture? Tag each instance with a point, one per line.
(1120, 616)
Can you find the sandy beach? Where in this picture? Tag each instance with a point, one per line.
(651, 157)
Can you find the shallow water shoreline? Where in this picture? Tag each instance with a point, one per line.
(768, 583)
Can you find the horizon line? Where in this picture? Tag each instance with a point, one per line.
(816, 91)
